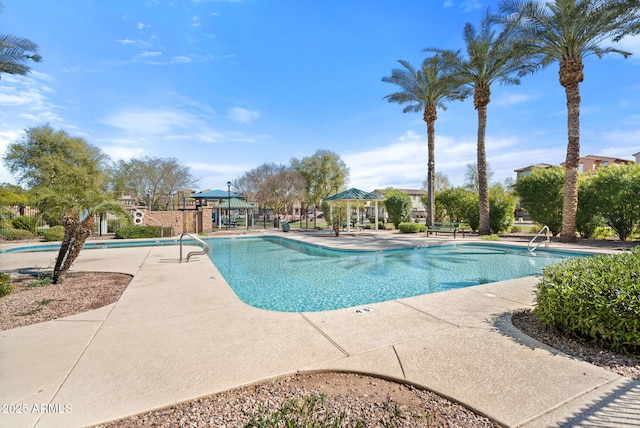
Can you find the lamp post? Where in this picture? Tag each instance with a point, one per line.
(228, 203)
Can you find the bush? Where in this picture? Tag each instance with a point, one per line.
(408, 227)
(134, 232)
(17, 235)
(5, 284)
(55, 233)
(25, 223)
(398, 206)
(595, 297)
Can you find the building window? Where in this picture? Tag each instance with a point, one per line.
(581, 167)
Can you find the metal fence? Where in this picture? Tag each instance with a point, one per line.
(15, 219)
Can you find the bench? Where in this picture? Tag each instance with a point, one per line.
(445, 227)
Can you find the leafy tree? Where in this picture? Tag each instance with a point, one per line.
(15, 52)
(67, 176)
(541, 196)
(457, 204)
(587, 218)
(502, 205)
(14, 196)
(425, 91)
(151, 179)
(616, 189)
(567, 31)
(490, 59)
(398, 205)
(324, 172)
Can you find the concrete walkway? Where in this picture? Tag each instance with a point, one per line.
(179, 332)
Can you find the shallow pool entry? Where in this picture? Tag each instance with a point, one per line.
(284, 275)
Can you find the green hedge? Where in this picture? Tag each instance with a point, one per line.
(133, 232)
(5, 284)
(25, 223)
(17, 234)
(408, 227)
(596, 297)
(55, 233)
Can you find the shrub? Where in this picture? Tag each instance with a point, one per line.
(17, 234)
(55, 233)
(408, 227)
(25, 223)
(134, 232)
(5, 284)
(398, 206)
(595, 297)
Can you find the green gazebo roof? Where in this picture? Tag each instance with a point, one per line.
(354, 195)
(235, 204)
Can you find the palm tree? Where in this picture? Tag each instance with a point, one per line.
(77, 207)
(566, 31)
(490, 59)
(427, 90)
(15, 51)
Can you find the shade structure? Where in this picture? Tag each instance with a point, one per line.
(233, 204)
(356, 195)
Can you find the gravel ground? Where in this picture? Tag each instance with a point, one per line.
(342, 399)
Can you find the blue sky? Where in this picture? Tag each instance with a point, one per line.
(227, 85)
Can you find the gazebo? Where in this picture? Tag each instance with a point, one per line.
(224, 200)
(234, 204)
(356, 195)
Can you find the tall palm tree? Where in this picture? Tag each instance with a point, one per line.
(15, 51)
(426, 90)
(490, 59)
(566, 31)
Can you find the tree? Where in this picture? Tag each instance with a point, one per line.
(490, 59)
(324, 173)
(398, 205)
(457, 204)
(67, 176)
(472, 177)
(441, 182)
(502, 205)
(427, 90)
(541, 196)
(151, 179)
(567, 31)
(15, 52)
(588, 218)
(616, 190)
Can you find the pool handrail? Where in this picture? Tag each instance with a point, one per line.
(205, 246)
(531, 247)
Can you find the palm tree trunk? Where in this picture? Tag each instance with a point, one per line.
(430, 116)
(481, 99)
(571, 74)
(78, 233)
(69, 222)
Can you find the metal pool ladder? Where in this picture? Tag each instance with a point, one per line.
(532, 246)
(205, 246)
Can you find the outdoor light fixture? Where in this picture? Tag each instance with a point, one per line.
(229, 203)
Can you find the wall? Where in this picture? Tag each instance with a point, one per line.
(191, 221)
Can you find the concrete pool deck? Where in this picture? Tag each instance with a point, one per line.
(179, 332)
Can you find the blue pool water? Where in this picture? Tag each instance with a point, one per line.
(284, 275)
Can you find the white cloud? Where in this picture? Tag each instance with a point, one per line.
(242, 115)
(117, 153)
(126, 41)
(513, 98)
(149, 54)
(141, 26)
(629, 43)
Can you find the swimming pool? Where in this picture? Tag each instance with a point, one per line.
(284, 275)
